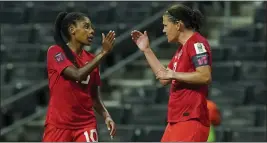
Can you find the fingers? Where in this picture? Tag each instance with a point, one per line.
(113, 41)
(113, 129)
(161, 74)
(145, 33)
(103, 37)
(136, 34)
(110, 36)
(108, 126)
(158, 76)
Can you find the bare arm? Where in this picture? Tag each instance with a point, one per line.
(202, 75)
(142, 43)
(155, 64)
(101, 110)
(98, 104)
(80, 74)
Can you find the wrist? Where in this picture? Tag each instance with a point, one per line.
(106, 116)
(103, 52)
(147, 50)
(174, 74)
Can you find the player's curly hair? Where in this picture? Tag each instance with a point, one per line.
(192, 19)
(62, 23)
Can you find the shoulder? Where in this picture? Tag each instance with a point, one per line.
(198, 38)
(199, 44)
(54, 48)
(55, 51)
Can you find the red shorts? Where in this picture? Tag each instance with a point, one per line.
(188, 131)
(54, 134)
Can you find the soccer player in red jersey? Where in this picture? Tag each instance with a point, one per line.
(74, 82)
(189, 73)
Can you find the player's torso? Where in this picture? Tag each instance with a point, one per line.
(182, 62)
(186, 100)
(81, 91)
(70, 101)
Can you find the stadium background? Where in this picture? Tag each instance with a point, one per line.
(236, 32)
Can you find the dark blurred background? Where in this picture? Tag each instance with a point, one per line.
(137, 102)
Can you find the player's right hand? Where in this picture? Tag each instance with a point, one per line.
(141, 40)
(108, 41)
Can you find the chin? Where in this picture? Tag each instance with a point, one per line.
(171, 40)
(87, 43)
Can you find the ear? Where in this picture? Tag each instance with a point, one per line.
(178, 25)
(72, 30)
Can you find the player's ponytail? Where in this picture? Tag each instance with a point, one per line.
(196, 20)
(59, 39)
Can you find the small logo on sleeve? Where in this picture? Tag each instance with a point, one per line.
(199, 48)
(59, 57)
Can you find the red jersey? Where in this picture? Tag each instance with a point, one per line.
(70, 104)
(188, 101)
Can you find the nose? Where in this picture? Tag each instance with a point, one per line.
(163, 30)
(92, 31)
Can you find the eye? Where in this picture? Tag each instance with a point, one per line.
(86, 26)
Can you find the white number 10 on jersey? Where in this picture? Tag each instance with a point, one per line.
(92, 137)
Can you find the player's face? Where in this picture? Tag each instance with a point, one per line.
(170, 29)
(83, 31)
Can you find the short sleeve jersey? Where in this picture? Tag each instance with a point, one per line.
(70, 104)
(188, 101)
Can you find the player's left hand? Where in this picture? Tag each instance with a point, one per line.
(111, 126)
(165, 74)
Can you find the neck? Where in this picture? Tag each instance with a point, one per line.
(75, 47)
(184, 36)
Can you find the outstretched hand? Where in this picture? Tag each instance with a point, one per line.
(140, 39)
(108, 41)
